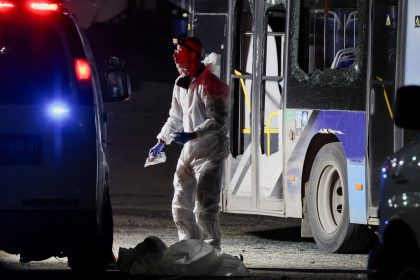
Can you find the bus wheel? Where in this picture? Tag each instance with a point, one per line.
(328, 204)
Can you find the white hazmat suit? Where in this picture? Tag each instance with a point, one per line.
(199, 105)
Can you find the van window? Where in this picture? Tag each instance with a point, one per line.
(33, 64)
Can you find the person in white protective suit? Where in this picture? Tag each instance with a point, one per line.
(198, 119)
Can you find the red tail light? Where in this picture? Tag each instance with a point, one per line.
(83, 71)
(42, 6)
(6, 6)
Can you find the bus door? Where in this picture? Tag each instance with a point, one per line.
(209, 23)
(382, 94)
(255, 170)
(270, 185)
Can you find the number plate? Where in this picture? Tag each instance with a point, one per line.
(20, 149)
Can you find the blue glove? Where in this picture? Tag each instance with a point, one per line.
(183, 137)
(156, 149)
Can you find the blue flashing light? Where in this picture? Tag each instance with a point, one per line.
(58, 110)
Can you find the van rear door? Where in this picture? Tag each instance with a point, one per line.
(42, 161)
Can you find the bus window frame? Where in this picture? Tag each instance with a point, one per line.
(334, 89)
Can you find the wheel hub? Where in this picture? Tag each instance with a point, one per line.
(330, 199)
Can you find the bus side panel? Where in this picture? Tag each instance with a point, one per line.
(298, 133)
(350, 129)
(354, 143)
(356, 182)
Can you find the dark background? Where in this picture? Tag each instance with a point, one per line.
(143, 39)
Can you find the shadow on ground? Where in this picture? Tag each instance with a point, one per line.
(284, 234)
(114, 275)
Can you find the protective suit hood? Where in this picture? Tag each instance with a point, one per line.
(210, 62)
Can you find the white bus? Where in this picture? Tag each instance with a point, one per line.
(312, 85)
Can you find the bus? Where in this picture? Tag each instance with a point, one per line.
(312, 87)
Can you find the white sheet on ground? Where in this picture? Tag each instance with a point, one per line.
(188, 257)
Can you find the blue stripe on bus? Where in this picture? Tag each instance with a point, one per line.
(350, 129)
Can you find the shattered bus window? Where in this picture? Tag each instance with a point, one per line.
(327, 49)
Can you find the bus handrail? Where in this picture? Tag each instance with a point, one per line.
(241, 78)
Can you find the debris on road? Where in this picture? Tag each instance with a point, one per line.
(185, 258)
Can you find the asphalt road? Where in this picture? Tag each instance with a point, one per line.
(271, 247)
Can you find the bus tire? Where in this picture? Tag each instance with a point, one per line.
(328, 209)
